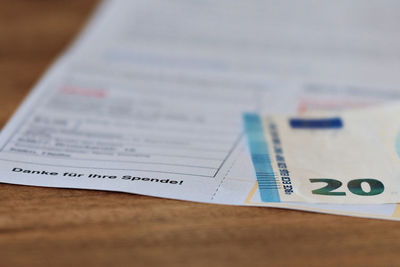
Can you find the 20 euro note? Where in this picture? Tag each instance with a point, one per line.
(350, 157)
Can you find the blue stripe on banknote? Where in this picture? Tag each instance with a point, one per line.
(261, 159)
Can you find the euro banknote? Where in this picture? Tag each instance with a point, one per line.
(346, 157)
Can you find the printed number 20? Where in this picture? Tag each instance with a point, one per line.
(376, 187)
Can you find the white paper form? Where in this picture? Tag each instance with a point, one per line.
(149, 99)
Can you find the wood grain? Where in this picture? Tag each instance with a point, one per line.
(61, 227)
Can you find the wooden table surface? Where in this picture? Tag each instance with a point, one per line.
(62, 227)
